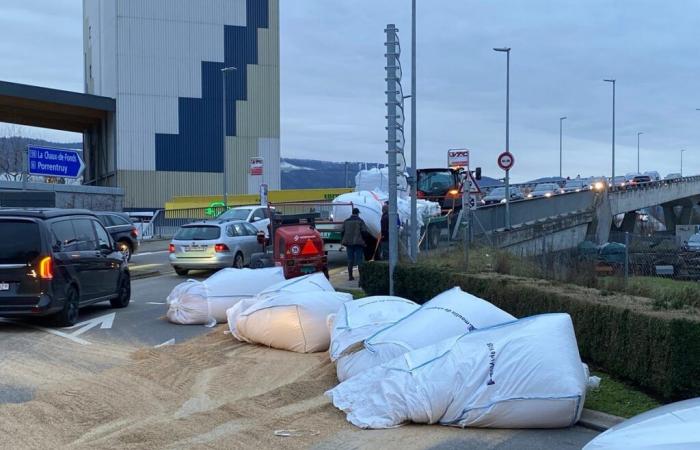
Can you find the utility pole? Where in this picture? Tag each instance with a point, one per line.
(414, 159)
(639, 133)
(613, 129)
(393, 127)
(561, 120)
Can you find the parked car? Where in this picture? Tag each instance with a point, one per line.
(576, 185)
(258, 216)
(673, 176)
(544, 190)
(213, 244)
(122, 230)
(55, 261)
(498, 195)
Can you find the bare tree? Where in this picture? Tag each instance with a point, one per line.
(12, 149)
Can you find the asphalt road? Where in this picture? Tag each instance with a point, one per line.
(34, 355)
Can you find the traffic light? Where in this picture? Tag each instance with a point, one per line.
(477, 173)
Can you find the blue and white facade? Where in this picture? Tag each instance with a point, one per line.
(162, 61)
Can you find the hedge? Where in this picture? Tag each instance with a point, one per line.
(657, 351)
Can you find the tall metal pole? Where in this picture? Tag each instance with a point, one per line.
(682, 151)
(223, 101)
(613, 129)
(507, 179)
(392, 103)
(561, 120)
(414, 158)
(639, 133)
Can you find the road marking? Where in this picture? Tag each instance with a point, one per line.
(155, 303)
(105, 322)
(47, 330)
(149, 253)
(168, 342)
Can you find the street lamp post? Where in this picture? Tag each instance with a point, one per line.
(506, 50)
(414, 162)
(613, 129)
(224, 71)
(639, 133)
(682, 151)
(561, 121)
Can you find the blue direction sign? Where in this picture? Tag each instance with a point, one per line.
(54, 162)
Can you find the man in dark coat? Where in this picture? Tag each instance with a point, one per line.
(354, 230)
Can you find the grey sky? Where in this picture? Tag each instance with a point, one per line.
(333, 77)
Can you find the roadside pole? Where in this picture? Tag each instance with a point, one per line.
(392, 127)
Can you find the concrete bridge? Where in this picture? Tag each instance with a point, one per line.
(677, 197)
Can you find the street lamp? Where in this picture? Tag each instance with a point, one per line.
(224, 71)
(613, 129)
(639, 133)
(414, 162)
(682, 151)
(561, 120)
(506, 50)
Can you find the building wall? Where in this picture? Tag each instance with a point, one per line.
(162, 61)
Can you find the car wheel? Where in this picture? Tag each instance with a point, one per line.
(125, 249)
(238, 261)
(69, 314)
(180, 271)
(124, 292)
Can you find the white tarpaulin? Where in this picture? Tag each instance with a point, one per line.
(306, 283)
(524, 374)
(451, 313)
(669, 427)
(290, 321)
(359, 319)
(378, 180)
(194, 302)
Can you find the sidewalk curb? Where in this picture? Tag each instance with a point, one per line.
(598, 421)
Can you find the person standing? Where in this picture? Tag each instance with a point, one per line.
(384, 243)
(352, 236)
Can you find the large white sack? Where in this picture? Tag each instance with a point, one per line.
(378, 180)
(524, 374)
(306, 283)
(370, 205)
(451, 313)
(667, 427)
(356, 321)
(291, 321)
(196, 302)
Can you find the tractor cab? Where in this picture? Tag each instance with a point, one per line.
(296, 246)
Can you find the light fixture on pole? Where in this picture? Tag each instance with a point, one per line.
(561, 121)
(639, 133)
(506, 50)
(224, 71)
(613, 129)
(682, 151)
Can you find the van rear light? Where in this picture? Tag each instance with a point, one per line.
(218, 248)
(134, 233)
(171, 248)
(46, 268)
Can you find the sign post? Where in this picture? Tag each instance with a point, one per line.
(54, 162)
(505, 162)
(263, 195)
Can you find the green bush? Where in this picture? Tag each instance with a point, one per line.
(657, 351)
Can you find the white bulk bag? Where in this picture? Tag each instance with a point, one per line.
(370, 206)
(291, 321)
(378, 180)
(196, 302)
(667, 427)
(524, 374)
(356, 321)
(451, 313)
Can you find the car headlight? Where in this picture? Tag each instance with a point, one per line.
(529, 195)
(548, 194)
(503, 200)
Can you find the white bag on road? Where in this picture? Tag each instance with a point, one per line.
(194, 302)
(293, 321)
(524, 374)
(451, 313)
(313, 282)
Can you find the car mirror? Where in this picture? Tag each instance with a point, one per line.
(256, 218)
(106, 248)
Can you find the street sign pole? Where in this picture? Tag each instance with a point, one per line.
(507, 199)
(505, 162)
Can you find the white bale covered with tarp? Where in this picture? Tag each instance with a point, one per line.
(195, 302)
(524, 374)
(357, 320)
(370, 205)
(294, 321)
(451, 313)
(378, 180)
(306, 283)
(668, 427)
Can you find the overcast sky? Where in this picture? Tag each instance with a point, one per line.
(333, 78)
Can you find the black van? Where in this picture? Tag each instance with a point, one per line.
(54, 261)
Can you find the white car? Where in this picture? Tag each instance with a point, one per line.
(545, 190)
(258, 216)
(693, 244)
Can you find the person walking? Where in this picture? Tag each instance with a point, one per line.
(352, 237)
(384, 243)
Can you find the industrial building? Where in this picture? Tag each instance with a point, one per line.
(162, 61)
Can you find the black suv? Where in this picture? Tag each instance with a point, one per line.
(54, 261)
(122, 231)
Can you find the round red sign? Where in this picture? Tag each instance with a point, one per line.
(506, 160)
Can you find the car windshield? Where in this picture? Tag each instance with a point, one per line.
(20, 243)
(435, 181)
(574, 183)
(498, 192)
(546, 187)
(198, 233)
(235, 214)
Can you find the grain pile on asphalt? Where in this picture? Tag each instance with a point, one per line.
(207, 393)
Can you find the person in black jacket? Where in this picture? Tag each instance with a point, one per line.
(354, 230)
(384, 243)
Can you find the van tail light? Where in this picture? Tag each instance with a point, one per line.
(171, 248)
(46, 268)
(218, 248)
(134, 233)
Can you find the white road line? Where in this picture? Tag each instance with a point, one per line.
(47, 330)
(155, 303)
(149, 253)
(168, 342)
